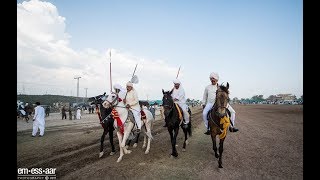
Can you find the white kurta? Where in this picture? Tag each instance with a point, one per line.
(78, 114)
(133, 101)
(179, 94)
(39, 121)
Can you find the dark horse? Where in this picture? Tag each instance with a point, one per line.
(106, 121)
(218, 120)
(174, 122)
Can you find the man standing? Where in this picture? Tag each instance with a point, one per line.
(38, 120)
(63, 112)
(178, 96)
(132, 102)
(209, 97)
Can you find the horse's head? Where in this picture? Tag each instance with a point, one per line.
(111, 100)
(167, 102)
(222, 99)
(98, 99)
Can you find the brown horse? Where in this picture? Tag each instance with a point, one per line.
(219, 120)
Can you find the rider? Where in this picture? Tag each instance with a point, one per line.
(131, 101)
(119, 90)
(178, 96)
(209, 97)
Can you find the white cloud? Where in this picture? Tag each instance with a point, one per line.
(46, 64)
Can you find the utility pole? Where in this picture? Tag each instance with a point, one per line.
(78, 77)
(86, 91)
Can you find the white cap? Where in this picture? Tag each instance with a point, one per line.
(129, 84)
(117, 86)
(176, 81)
(214, 75)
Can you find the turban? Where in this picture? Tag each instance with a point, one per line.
(129, 84)
(214, 75)
(176, 81)
(117, 86)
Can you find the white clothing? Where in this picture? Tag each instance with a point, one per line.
(209, 95)
(78, 114)
(39, 121)
(133, 101)
(179, 94)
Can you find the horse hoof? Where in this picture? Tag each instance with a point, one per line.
(187, 142)
(171, 157)
(183, 150)
(127, 151)
(112, 153)
(126, 146)
(134, 145)
(220, 166)
(177, 145)
(144, 146)
(147, 152)
(100, 154)
(119, 159)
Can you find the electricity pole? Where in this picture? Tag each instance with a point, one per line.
(86, 91)
(78, 77)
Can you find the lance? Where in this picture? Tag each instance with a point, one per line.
(134, 70)
(131, 78)
(110, 72)
(178, 72)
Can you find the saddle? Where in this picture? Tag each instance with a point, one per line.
(179, 111)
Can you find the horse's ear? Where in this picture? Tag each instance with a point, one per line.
(162, 91)
(171, 91)
(227, 85)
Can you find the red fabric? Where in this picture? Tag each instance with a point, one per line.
(143, 115)
(119, 99)
(99, 115)
(116, 117)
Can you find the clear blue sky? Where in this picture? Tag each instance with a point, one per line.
(255, 45)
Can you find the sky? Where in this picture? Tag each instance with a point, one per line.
(255, 46)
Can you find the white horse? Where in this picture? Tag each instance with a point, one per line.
(128, 125)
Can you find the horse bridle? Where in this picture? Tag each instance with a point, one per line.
(217, 107)
(113, 101)
(169, 107)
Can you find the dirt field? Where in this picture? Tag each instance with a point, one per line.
(268, 145)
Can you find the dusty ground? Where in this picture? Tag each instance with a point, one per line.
(269, 145)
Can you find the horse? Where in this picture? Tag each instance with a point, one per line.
(124, 123)
(106, 121)
(173, 121)
(219, 121)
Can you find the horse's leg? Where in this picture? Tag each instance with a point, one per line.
(148, 129)
(214, 144)
(113, 150)
(185, 142)
(220, 152)
(101, 142)
(136, 141)
(173, 135)
(121, 149)
(127, 131)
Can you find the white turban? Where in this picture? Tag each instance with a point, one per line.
(214, 75)
(129, 84)
(176, 81)
(117, 86)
